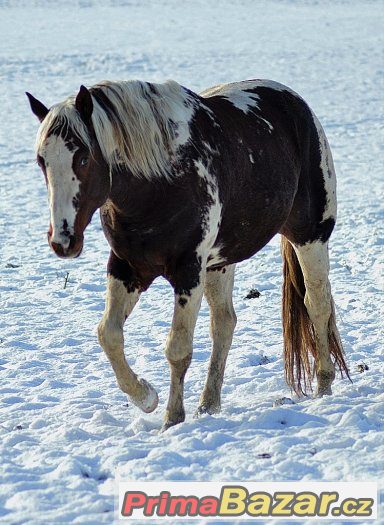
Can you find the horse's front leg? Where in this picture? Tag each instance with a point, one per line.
(188, 287)
(122, 296)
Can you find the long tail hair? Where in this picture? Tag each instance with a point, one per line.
(298, 330)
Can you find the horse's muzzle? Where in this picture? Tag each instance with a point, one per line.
(72, 250)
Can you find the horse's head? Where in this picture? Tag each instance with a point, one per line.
(75, 171)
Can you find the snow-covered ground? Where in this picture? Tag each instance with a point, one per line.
(64, 424)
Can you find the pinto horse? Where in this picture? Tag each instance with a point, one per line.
(189, 185)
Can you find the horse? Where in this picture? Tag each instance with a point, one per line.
(188, 185)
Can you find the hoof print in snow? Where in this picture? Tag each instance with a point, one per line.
(283, 401)
(18, 427)
(265, 455)
(362, 367)
(253, 294)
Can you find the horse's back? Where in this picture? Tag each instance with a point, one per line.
(245, 94)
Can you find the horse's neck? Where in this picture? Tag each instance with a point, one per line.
(145, 204)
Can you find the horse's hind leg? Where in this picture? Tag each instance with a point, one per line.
(218, 292)
(313, 329)
(314, 262)
(120, 301)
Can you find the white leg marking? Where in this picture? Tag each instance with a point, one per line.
(180, 338)
(178, 349)
(314, 262)
(218, 291)
(119, 305)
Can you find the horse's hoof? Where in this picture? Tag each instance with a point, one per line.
(172, 419)
(324, 383)
(149, 402)
(169, 424)
(166, 426)
(206, 409)
(325, 391)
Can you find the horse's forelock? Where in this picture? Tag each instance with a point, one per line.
(63, 119)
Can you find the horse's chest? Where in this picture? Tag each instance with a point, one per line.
(137, 247)
(150, 245)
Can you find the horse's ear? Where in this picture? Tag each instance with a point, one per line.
(37, 107)
(84, 104)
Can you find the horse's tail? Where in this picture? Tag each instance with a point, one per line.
(298, 330)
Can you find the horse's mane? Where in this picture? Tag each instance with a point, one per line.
(133, 121)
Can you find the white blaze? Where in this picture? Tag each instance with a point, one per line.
(63, 187)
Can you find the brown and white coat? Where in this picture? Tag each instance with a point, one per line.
(189, 185)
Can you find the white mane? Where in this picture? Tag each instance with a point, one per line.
(135, 130)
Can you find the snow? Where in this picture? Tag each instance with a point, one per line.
(64, 424)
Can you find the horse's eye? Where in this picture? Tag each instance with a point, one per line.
(40, 161)
(84, 161)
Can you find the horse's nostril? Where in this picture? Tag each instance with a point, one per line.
(72, 242)
(57, 248)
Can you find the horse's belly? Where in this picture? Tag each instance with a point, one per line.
(236, 248)
(246, 230)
